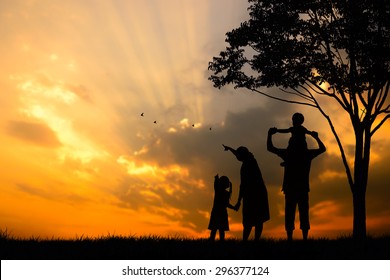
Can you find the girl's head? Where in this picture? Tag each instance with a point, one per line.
(224, 183)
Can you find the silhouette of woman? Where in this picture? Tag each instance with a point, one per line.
(219, 216)
(253, 193)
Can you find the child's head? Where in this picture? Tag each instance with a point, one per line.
(224, 183)
(297, 119)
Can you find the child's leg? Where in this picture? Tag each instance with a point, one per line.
(212, 234)
(221, 235)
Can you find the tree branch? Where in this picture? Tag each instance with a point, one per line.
(281, 99)
(340, 145)
(340, 101)
(297, 93)
(380, 124)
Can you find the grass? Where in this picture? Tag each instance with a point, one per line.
(159, 248)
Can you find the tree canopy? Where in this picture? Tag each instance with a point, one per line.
(309, 42)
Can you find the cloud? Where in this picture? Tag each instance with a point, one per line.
(53, 193)
(42, 85)
(35, 133)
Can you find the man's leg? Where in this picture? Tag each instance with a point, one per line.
(303, 208)
(289, 216)
(305, 233)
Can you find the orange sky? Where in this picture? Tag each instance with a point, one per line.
(77, 157)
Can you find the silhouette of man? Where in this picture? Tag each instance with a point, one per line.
(297, 159)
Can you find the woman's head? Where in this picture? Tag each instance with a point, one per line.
(242, 153)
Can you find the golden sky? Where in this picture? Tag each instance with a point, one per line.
(78, 159)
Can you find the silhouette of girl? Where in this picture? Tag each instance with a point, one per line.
(219, 216)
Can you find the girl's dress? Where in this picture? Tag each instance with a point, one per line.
(219, 214)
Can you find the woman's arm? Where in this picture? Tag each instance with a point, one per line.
(227, 148)
(238, 204)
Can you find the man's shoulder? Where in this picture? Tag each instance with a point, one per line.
(313, 153)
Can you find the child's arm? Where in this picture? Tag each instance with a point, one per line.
(216, 179)
(283, 130)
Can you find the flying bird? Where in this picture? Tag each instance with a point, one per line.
(155, 122)
(142, 114)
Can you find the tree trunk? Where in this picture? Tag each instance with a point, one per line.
(359, 212)
(362, 161)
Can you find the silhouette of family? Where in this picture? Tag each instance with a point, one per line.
(253, 192)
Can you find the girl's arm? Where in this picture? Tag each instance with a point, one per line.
(216, 178)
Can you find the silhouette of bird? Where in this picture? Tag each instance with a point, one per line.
(210, 128)
(155, 122)
(193, 125)
(142, 114)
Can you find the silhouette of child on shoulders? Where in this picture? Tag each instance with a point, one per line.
(298, 133)
(219, 215)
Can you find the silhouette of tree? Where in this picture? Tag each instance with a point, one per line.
(339, 49)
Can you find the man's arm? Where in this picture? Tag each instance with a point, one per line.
(270, 146)
(321, 147)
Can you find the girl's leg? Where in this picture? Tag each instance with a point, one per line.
(212, 234)
(221, 235)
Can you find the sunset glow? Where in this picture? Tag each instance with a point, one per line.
(79, 159)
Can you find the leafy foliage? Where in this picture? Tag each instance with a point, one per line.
(288, 43)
